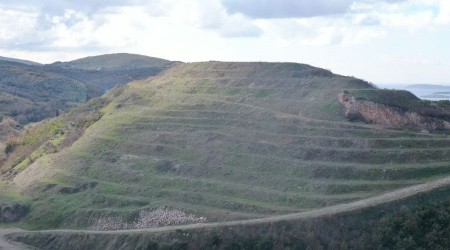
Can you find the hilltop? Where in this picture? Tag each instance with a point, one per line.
(120, 61)
(101, 73)
(214, 141)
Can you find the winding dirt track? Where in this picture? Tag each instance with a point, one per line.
(332, 210)
(10, 245)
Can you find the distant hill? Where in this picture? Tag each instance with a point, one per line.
(7, 59)
(31, 92)
(428, 86)
(214, 141)
(101, 73)
(120, 61)
(430, 91)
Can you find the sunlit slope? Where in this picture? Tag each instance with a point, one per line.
(227, 141)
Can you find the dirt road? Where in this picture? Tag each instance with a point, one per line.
(348, 207)
(10, 245)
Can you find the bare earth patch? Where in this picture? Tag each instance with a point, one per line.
(147, 219)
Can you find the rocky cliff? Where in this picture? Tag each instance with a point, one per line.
(392, 117)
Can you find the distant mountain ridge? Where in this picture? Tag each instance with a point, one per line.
(428, 86)
(101, 73)
(120, 61)
(18, 61)
(30, 91)
(432, 92)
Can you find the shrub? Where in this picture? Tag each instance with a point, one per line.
(11, 144)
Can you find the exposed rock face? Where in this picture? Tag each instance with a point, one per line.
(386, 116)
(12, 212)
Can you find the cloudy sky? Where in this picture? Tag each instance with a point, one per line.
(382, 41)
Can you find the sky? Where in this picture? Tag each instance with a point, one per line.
(381, 41)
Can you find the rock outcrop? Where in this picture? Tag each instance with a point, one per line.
(386, 116)
(12, 212)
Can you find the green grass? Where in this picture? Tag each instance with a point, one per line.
(8, 195)
(420, 221)
(226, 141)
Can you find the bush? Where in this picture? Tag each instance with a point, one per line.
(11, 144)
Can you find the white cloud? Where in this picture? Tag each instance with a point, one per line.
(121, 26)
(72, 29)
(444, 13)
(238, 26)
(194, 30)
(320, 31)
(366, 20)
(267, 9)
(211, 15)
(15, 24)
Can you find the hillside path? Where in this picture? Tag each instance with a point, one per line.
(332, 210)
(10, 245)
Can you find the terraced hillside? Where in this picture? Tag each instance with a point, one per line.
(225, 141)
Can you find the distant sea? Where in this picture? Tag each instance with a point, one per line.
(423, 91)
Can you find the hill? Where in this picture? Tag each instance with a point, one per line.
(120, 61)
(101, 73)
(215, 141)
(31, 92)
(428, 86)
(26, 62)
(430, 91)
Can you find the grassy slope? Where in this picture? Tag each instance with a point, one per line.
(41, 139)
(419, 222)
(227, 141)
